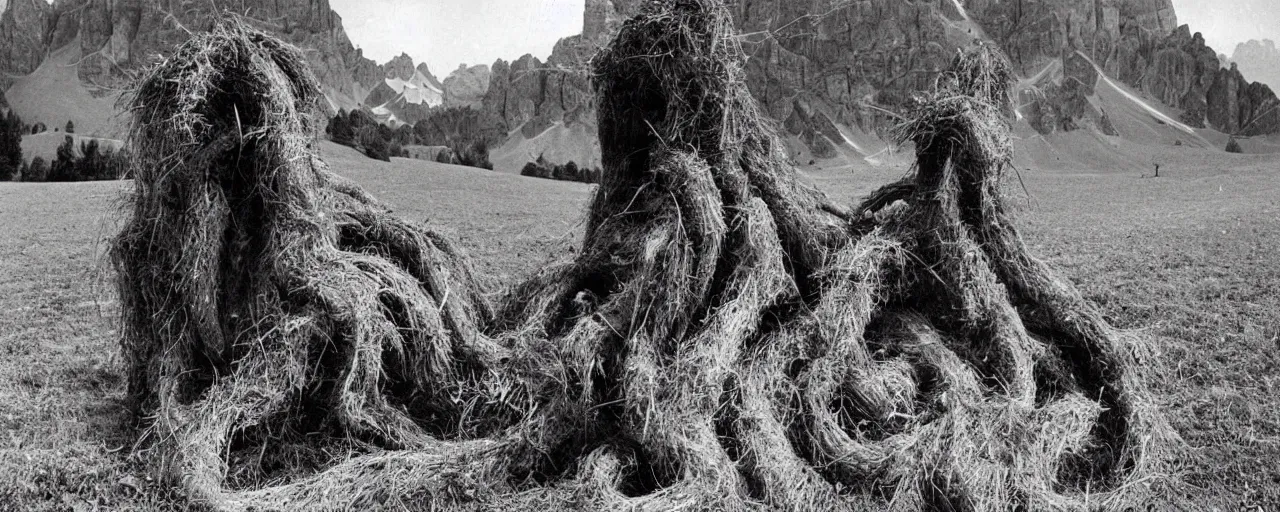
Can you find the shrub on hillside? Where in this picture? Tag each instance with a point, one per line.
(471, 154)
(370, 141)
(445, 156)
(1233, 146)
(71, 127)
(466, 131)
(339, 129)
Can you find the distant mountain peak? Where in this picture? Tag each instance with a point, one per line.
(835, 76)
(400, 67)
(1259, 60)
(467, 86)
(435, 82)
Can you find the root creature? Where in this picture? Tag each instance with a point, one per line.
(728, 337)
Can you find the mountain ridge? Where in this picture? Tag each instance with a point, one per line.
(834, 77)
(118, 38)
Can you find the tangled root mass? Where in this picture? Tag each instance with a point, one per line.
(728, 337)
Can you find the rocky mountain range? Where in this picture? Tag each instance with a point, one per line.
(833, 74)
(110, 41)
(116, 38)
(406, 94)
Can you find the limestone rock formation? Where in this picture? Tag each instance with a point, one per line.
(532, 96)
(119, 37)
(822, 69)
(1239, 107)
(400, 67)
(406, 94)
(817, 66)
(466, 86)
(22, 37)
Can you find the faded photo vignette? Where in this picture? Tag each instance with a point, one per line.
(718, 255)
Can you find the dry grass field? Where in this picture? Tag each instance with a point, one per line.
(1188, 259)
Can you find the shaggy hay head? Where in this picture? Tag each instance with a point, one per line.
(674, 80)
(263, 297)
(727, 338)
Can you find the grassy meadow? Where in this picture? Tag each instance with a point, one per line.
(1188, 259)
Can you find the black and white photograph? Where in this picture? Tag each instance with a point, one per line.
(639, 255)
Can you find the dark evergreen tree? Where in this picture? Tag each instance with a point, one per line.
(64, 164)
(11, 130)
(373, 145)
(339, 129)
(89, 165)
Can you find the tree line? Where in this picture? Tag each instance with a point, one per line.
(566, 172)
(93, 161)
(465, 131)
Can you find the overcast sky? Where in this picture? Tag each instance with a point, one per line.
(446, 33)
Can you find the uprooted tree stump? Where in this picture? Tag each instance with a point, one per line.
(727, 338)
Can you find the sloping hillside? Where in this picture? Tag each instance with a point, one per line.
(53, 95)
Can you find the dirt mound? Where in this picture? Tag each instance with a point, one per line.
(726, 337)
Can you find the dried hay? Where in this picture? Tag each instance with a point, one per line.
(727, 338)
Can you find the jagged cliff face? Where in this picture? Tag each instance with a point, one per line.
(1111, 32)
(466, 86)
(22, 37)
(812, 75)
(532, 95)
(844, 65)
(400, 68)
(118, 37)
(406, 94)
(830, 70)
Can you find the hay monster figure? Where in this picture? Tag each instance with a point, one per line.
(728, 337)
